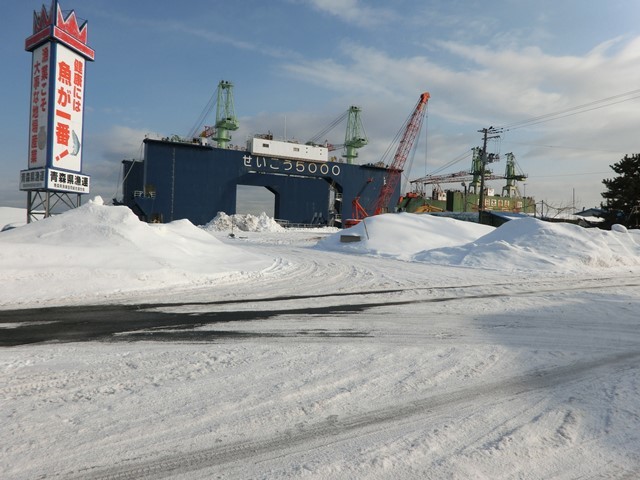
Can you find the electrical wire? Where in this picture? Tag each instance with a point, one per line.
(208, 108)
(316, 138)
(426, 140)
(458, 159)
(567, 112)
(407, 170)
(121, 183)
(564, 147)
(395, 141)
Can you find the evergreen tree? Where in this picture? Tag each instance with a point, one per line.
(623, 192)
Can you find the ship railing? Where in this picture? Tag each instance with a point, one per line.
(288, 224)
(142, 194)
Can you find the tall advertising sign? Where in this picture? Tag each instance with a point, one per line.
(59, 53)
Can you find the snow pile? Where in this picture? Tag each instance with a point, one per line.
(246, 223)
(98, 250)
(12, 217)
(532, 244)
(320, 364)
(526, 244)
(405, 234)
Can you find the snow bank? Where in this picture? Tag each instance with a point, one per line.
(536, 386)
(95, 251)
(526, 244)
(404, 234)
(12, 217)
(532, 244)
(246, 223)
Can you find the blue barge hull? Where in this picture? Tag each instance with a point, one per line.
(180, 180)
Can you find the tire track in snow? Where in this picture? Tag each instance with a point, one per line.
(96, 323)
(335, 430)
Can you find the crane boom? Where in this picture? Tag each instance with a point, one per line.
(452, 178)
(392, 178)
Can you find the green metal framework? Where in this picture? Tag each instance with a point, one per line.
(511, 188)
(476, 170)
(226, 120)
(355, 137)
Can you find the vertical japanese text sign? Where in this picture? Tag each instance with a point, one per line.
(59, 49)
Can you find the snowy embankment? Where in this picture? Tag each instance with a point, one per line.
(430, 349)
(100, 253)
(524, 245)
(96, 252)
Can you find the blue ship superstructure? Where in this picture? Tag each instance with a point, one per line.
(193, 180)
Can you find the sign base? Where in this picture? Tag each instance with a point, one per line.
(44, 203)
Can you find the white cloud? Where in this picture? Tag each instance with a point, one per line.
(120, 142)
(104, 154)
(479, 86)
(354, 12)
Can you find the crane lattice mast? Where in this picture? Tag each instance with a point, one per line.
(392, 178)
(511, 188)
(354, 137)
(226, 120)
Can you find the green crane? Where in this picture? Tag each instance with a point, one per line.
(226, 120)
(476, 170)
(511, 189)
(354, 137)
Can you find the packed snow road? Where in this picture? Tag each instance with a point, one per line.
(331, 364)
(531, 378)
(178, 321)
(323, 437)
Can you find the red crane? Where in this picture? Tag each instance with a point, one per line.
(392, 178)
(357, 210)
(411, 129)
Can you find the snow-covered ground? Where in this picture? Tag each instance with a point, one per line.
(432, 348)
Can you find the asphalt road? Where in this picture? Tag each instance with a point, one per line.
(138, 322)
(145, 322)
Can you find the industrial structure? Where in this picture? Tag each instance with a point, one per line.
(197, 177)
(391, 182)
(470, 197)
(191, 178)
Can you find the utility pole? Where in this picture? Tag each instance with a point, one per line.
(488, 133)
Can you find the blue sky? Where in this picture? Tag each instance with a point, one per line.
(302, 63)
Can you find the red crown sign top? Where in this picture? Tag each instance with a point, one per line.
(70, 25)
(43, 19)
(64, 29)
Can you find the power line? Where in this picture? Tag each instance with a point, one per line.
(587, 107)
(564, 147)
(208, 108)
(567, 174)
(459, 158)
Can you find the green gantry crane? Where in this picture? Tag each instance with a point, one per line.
(355, 137)
(226, 120)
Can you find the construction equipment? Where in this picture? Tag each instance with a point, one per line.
(354, 137)
(428, 209)
(359, 213)
(225, 114)
(511, 188)
(472, 177)
(412, 128)
(226, 119)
